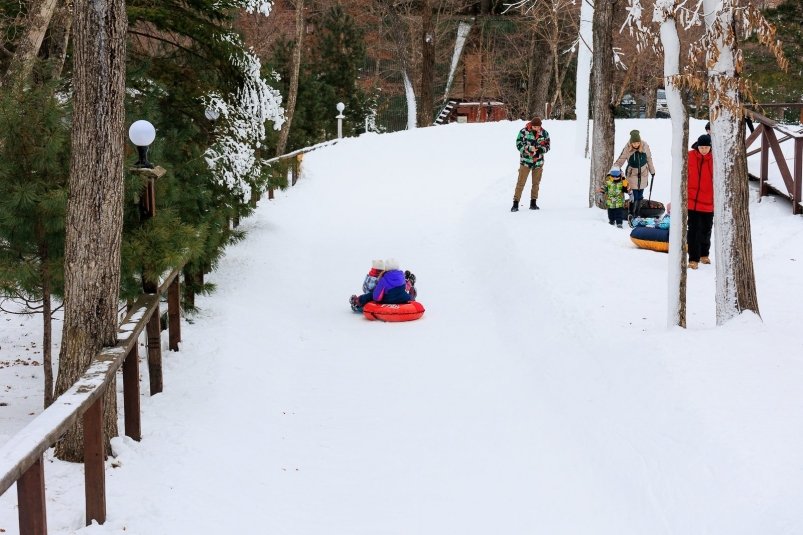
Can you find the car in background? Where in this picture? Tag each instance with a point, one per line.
(661, 106)
(628, 100)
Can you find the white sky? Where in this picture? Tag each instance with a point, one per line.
(540, 393)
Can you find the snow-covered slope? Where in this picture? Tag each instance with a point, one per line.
(540, 393)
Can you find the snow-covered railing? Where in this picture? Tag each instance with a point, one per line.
(769, 131)
(21, 458)
(293, 159)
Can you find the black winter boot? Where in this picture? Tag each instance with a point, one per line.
(533, 206)
(515, 206)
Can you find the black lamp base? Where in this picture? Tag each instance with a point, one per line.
(143, 162)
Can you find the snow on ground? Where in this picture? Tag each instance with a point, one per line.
(540, 393)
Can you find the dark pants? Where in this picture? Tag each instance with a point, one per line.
(635, 202)
(616, 214)
(394, 296)
(699, 234)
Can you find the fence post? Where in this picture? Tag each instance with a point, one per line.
(765, 163)
(31, 500)
(174, 314)
(94, 468)
(294, 162)
(155, 352)
(131, 410)
(797, 195)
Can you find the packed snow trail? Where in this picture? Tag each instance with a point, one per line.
(540, 393)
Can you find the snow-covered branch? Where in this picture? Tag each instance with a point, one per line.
(232, 157)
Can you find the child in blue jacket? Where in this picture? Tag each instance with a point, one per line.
(391, 287)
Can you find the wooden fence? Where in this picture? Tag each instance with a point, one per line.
(21, 458)
(772, 135)
(292, 161)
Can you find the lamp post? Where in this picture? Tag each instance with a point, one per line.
(340, 117)
(142, 133)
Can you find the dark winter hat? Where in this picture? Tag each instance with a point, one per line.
(536, 121)
(704, 141)
(635, 136)
(708, 126)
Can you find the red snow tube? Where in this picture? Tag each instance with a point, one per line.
(385, 312)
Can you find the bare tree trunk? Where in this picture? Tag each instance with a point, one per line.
(736, 282)
(426, 99)
(676, 285)
(60, 30)
(602, 78)
(540, 78)
(559, 85)
(95, 203)
(21, 66)
(650, 103)
(295, 68)
(47, 323)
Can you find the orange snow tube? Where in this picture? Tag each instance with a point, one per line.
(385, 312)
(655, 239)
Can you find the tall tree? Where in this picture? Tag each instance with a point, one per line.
(295, 67)
(95, 203)
(665, 13)
(426, 105)
(602, 90)
(34, 163)
(39, 13)
(736, 282)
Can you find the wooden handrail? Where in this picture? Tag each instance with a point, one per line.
(21, 456)
(770, 143)
(21, 451)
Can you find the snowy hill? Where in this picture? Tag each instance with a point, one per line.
(540, 393)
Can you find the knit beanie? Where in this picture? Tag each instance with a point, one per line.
(391, 264)
(635, 136)
(378, 264)
(615, 171)
(704, 141)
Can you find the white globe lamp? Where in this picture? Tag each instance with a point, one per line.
(142, 133)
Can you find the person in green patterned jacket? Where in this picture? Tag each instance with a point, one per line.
(615, 190)
(532, 143)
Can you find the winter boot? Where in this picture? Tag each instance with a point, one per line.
(705, 260)
(533, 206)
(618, 225)
(354, 301)
(692, 265)
(515, 206)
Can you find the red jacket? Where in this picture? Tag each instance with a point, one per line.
(701, 182)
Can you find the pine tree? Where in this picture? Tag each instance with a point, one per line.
(34, 165)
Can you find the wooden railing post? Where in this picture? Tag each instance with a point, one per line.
(765, 163)
(154, 331)
(174, 314)
(31, 500)
(94, 467)
(131, 409)
(797, 195)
